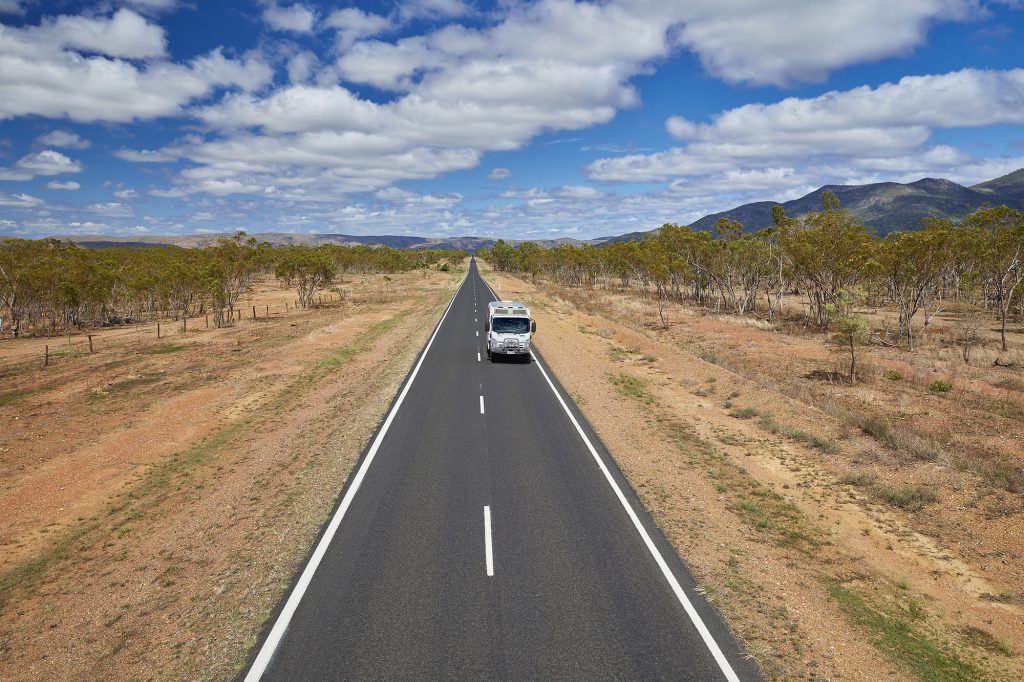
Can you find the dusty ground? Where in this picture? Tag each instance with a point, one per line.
(156, 496)
(798, 501)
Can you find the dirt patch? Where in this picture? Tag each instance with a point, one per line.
(800, 523)
(155, 503)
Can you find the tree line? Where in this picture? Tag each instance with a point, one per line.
(54, 286)
(828, 257)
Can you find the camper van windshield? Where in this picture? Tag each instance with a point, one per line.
(511, 325)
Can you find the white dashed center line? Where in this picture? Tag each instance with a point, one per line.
(488, 549)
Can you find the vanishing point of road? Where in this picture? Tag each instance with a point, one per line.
(486, 534)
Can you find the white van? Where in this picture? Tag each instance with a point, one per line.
(509, 327)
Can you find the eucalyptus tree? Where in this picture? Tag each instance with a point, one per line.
(232, 266)
(308, 270)
(995, 238)
(829, 252)
(912, 266)
(21, 269)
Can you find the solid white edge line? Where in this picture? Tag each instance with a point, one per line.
(488, 547)
(263, 658)
(481, 404)
(677, 589)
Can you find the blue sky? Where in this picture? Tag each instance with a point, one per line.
(504, 118)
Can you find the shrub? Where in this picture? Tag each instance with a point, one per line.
(892, 375)
(744, 413)
(910, 498)
(939, 386)
(857, 478)
(878, 428)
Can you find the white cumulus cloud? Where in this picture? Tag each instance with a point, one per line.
(42, 73)
(64, 139)
(20, 200)
(47, 162)
(354, 24)
(885, 129)
(294, 18)
(144, 155)
(125, 34)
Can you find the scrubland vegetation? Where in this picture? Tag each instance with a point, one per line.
(817, 417)
(157, 495)
(972, 271)
(50, 286)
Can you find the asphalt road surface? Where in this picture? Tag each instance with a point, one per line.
(486, 534)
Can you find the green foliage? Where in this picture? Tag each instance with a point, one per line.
(940, 386)
(631, 386)
(11, 396)
(902, 641)
(308, 270)
(53, 286)
(826, 255)
(850, 330)
(892, 375)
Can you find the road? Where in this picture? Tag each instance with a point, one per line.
(487, 534)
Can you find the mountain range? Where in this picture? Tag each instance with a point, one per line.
(885, 206)
(888, 206)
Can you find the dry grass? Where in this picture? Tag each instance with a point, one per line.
(902, 484)
(173, 565)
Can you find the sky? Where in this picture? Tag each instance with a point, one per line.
(503, 118)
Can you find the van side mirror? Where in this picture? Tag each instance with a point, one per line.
(487, 325)
(533, 327)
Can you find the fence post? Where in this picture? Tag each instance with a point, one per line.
(158, 330)
(46, 355)
(254, 312)
(184, 324)
(207, 321)
(268, 311)
(90, 344)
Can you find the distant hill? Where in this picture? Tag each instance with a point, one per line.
(628, 237)
(192, 241)
(885, 206)
(888, 206)
(1010, 186)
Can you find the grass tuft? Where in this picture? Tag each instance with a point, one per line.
(983, 639)
(11, 397)
(768, 423)
(744, 413)
(631, 386)
(904, 644)
(910, 498)
(859, 479)
(878, 428)
(163, 350)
